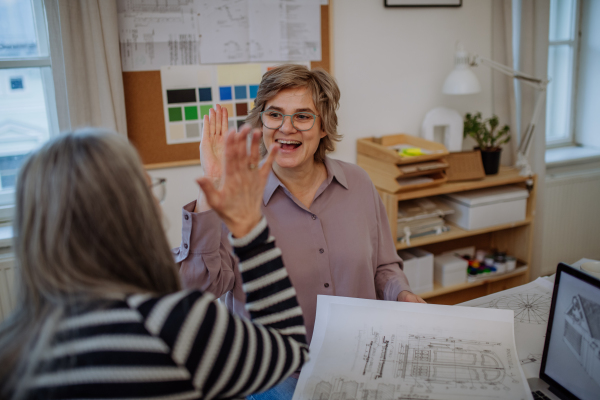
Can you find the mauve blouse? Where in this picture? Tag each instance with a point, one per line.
(341, 245)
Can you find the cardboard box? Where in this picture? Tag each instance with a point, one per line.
(450, 270)
(482, 208)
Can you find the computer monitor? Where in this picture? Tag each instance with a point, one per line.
(571, 359)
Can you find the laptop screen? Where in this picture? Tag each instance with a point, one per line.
(572, 351)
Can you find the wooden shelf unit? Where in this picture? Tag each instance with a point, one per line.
(514, 238)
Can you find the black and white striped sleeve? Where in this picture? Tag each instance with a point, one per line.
(228, 356)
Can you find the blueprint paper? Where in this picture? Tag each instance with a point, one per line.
(373, 349)
(259, 30)
(153, 33)
(531, 305)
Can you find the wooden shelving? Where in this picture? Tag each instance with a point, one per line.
(456, 232)
(514, 238)
(439, 290)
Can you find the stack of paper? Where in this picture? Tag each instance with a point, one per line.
(421, 217)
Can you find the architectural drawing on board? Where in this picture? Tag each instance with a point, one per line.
(529, 308)
(582, 334)
(420, 365)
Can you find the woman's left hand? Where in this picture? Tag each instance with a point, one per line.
(409, 297)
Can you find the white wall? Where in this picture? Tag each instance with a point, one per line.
(390, 64)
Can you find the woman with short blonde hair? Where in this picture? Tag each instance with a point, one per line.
(327, 215)
(100, 313)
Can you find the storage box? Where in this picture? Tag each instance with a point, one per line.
(481, 208)
(450, 270)
(394, 173)
(420, 269)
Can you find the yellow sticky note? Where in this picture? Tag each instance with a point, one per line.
(238, 74)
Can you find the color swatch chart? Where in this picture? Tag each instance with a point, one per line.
(189, 92)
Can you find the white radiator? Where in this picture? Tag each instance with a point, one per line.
(7, 285)
(571, 219)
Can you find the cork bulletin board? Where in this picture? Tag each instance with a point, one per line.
(145, 112)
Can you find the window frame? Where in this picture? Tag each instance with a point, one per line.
(47, 28)
(571, 140)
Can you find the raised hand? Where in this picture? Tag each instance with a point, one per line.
(213, 141)
(237, 200)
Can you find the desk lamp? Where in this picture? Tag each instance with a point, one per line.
(463, 81)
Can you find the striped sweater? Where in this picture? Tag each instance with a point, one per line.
(184, 345)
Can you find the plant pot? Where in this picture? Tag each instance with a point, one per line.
(491, 160)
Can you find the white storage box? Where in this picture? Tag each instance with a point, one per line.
(481, 208)
(450, 270)
(421, 280)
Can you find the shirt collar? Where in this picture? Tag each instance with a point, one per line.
(334, 170)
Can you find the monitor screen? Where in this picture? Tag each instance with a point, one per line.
(573, 351)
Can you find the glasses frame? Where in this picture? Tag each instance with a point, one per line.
(291, 119)
(159, 182)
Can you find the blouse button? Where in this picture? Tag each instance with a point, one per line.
(321, 251)
(314, 216)
(185, 246)
(326, 285)
(186, 217)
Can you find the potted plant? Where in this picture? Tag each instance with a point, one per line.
(488, 138)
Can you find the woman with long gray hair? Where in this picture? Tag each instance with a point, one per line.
(100, 313)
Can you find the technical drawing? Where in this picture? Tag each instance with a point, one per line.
(582, 334)
(529, 308)
(419, 365)
(531, 358)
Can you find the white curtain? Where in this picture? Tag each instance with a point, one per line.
(92, 64)
(520, 40)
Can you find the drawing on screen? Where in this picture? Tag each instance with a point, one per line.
(582, 334)
(529, 308)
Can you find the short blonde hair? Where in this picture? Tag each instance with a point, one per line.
(325, 94)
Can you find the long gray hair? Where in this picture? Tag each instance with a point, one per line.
(86, 228)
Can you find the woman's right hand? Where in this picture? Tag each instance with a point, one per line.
(212, 145)
(238, 199)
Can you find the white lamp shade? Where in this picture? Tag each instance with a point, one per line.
(461, 81)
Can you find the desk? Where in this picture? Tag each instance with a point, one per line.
(531, 305)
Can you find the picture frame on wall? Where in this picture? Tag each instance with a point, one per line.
(422, 3)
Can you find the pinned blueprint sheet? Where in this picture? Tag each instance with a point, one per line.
(259, 30)
(372, 349)
(153, 33)
(531, 305)
(156, 33)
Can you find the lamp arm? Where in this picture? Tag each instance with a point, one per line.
(525, 78)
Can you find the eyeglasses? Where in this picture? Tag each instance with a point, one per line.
(159, 188)
(302, 121)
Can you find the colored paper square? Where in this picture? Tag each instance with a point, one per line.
(238, 74)
(225, 93)
(251, 105)
(240, 92)
(229, 108)
(176, 131)
(205, 94)
(191, 113)
(240, 122)
(253, 91)
(192, 131)
(230, 123)
(241, 109)
(181, 96)
(175, 114)
(204, 110)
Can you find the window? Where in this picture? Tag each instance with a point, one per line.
(562, 71)
(27, 103)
